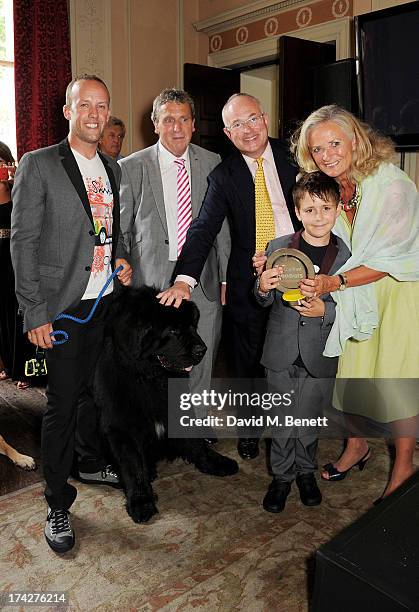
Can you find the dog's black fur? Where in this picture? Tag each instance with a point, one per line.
(145, 344)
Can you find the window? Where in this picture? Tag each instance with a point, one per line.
(7, 76)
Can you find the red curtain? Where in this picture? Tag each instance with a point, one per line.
(42, 71)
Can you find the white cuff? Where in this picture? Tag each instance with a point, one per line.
(184, 278)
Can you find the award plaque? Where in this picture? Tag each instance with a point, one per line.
(296, 266)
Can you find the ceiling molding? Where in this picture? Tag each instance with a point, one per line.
(338, 30)
(246, 14)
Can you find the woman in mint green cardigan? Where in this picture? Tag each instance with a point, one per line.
(376, 332)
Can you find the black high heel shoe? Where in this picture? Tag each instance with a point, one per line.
(335, 474)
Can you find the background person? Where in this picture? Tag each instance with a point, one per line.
(15, 348)
(379, 223)
(236, 186)
(112, 138)
(62, 194)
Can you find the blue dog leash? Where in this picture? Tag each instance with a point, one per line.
(62, 315)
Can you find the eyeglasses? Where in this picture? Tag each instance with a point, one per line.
(251, 122)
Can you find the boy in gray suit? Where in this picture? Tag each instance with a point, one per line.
(296, 337)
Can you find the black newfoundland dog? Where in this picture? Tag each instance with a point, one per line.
(146, 344)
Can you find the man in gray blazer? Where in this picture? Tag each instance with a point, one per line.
(65, 242)
(149, 216)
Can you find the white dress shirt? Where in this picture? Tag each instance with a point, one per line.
(283, 223)
(168, 171)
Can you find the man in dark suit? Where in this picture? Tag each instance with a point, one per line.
(231, 194)
(65, 241)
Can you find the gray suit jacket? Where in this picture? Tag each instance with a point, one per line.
(144, 224)
(53, 236)
(289, 333)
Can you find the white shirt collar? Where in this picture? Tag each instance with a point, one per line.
(166, 158)
(266, 155)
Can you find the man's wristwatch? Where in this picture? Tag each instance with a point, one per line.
(343, 282)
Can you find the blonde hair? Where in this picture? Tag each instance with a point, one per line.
(370, 151)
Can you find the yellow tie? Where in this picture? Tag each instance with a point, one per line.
(265, 222)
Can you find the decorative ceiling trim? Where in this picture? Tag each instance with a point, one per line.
(245, 14)
(338, 30)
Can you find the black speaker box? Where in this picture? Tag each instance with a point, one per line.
(373, 565)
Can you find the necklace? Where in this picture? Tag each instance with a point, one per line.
(353, 201)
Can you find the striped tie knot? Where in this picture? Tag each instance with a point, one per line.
(180, 162)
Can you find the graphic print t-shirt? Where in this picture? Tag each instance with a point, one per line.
(99, 193)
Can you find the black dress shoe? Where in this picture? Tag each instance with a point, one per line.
(248, 448)
(310, 493)
(275, 498)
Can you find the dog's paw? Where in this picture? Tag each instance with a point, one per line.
(216, 465)
(25, 462)
(141, 508)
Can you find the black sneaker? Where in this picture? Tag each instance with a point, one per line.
(107, 476)
(58, 531)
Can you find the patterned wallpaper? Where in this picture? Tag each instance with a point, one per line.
(90, 26)
(281, 23)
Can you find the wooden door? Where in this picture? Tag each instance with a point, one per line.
(210, 88)
(296, 82)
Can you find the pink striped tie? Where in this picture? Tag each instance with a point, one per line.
(184, 208)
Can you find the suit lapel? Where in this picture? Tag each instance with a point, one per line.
(294, 242)
(115, 209)
(111, 177)
(330, 255)
(195, 182)
(340, 260)
(244, 189)
(154, 176)
(243, 181)
(286, 174)
(70, 166)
